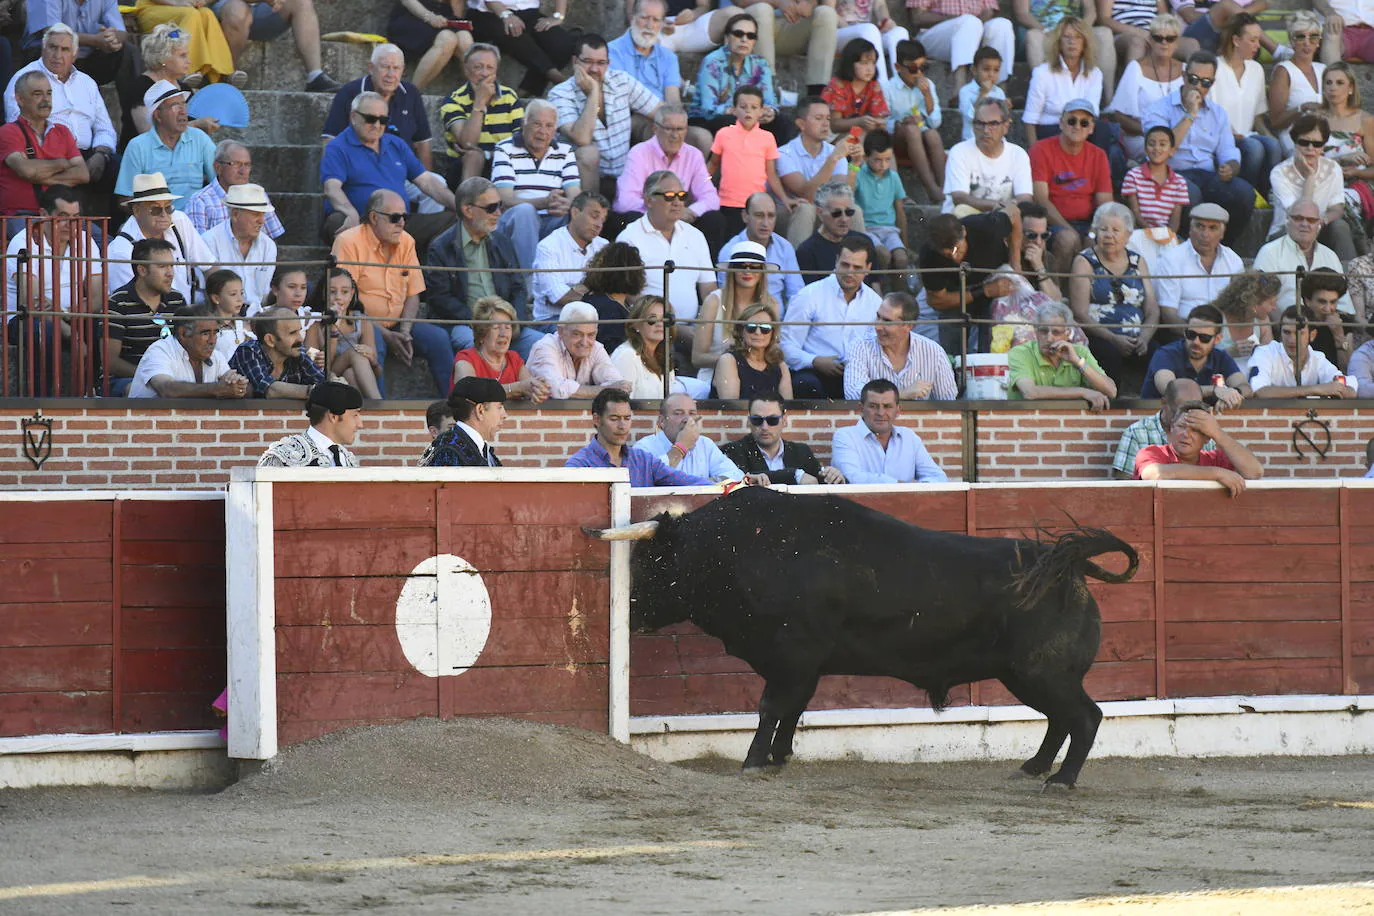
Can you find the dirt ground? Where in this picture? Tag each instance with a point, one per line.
(507, 818)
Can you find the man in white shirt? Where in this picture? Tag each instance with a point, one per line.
(1201, 267)
(60, 227)
(760, 224)
(983, 172)
(662, 235)
(240, 244)
(681, 445)
(876, 450)
(185, 364)
(1298, 247)
(567, 251)
(1273, 367)
(155, 218)
(572, 360)
(77, 105)
(814, 342)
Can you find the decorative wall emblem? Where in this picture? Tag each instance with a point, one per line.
(37, 437)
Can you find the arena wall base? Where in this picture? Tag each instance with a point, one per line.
(1303, 726)
(176, 760)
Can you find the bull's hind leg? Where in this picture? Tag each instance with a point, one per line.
(1054, 705)
(1084, 718)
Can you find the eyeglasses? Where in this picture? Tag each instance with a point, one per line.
(987, 125)
(393, 218)
(740, 33)
(375, 119)
(671, 195)
(1305, 36)
(1306, 220)
(594, 63)
(1199, 336)
(1042, 236)
(229, 163)
(487, 208)
(1203, 81)
(756, 420)
(1310, 144)
(753, 328)
(913, 68)
(1162, 39)
(1078, 122)
(837, 213)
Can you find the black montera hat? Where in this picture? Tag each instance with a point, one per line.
(336, 397)
(477, 390)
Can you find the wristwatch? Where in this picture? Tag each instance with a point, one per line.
(556, 15)
(506, 14)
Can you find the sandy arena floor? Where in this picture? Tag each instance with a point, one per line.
(509, 818)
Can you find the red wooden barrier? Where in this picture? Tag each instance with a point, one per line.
(111, 614)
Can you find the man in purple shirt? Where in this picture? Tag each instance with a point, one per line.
(611, 415)
(668, 150)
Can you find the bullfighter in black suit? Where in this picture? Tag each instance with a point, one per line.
(479, 406)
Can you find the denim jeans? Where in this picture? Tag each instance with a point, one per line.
(429, 342)
(1236, 197)
(1258, 157)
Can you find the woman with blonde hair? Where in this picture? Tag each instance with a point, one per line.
(1146, 81)
(1248, 303)
(166, 56)
(745, 285)
(490, 356)
(1295, 85)
(211, 57)
(641, 357)
(1351, 142)
(753, 364)
(1069, 72)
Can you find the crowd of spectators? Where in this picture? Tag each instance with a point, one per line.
(1100, 258)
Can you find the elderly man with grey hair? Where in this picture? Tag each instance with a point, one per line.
(367, 157)
(537, 177)
(663, 234)
(670, 149)
(837, 211)
(233, 165)
(477, 115)
(572, 360)
(982, 173)
(473, 259)
(1051, 367)
(405, 106)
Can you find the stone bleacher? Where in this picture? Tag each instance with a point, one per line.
(286, 123)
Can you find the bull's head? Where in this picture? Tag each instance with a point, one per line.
(655, 599)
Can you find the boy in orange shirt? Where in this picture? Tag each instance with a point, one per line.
(745, 157)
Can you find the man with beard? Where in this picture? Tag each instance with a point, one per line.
(764, 451)
(1198, 358)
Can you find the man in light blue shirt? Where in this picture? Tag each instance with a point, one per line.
(1206, 154)
(760, 219)
(876, 450)
(682, 447)
(184, 154)
(639, 53)
(808, 161)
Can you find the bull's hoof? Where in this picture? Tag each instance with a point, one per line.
(1034, 768)
(751, 766)
(1055, 783)
(779, 760)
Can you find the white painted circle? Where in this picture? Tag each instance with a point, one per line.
(443, 616)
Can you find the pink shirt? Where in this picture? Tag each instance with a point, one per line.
(552, 362)
(744, 156)
(648, 157)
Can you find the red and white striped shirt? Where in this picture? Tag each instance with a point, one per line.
(1156, 201)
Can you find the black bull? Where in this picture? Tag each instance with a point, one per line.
(804, 586)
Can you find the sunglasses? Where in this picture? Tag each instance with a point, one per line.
(1078, 122)
(1310, 144)
(740, 33)
(671, 195)
(652, 320)
(393, 218)
(753, 328)
(1042, 236)
(837, 213)
(487, 208)
(1306, 36)
(1163, 39)
(1306, 220)
(1199, 336)
(756, 420)
(162, 211)
(1203, 81)
(375, 119)
(914, 68)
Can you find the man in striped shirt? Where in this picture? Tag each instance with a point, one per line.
(537, 178)
(478, 115)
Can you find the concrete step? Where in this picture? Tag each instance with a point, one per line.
(300, 214)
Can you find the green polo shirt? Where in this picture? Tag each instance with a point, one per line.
(1026, 361)
(475, 256)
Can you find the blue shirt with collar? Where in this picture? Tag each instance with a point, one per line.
(1174, 357)
(645, 469)
(362, 171)
(782, 286)
(704, 460)
(1209, 142)
(658, 69)
(188, 166)
(406, 108)
(862, 459)
(84, 18)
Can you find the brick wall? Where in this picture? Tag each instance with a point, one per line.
(192, 445)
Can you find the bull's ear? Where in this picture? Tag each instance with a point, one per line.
(640, 531)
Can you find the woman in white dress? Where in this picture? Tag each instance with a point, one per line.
(1295, 86)
(1146, 81)
(1240, 91)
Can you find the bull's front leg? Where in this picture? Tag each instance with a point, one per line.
(795, 700)
(769, 715)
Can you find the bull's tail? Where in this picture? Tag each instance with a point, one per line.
(1067, 554)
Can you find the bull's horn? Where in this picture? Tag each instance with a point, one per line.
(639, 531)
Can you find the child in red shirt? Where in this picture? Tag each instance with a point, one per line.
(855, 96)
(1156, 193)
(745, 157)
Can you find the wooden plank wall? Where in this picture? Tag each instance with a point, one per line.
(90, 644)
(1248, 596)
(342, 560)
